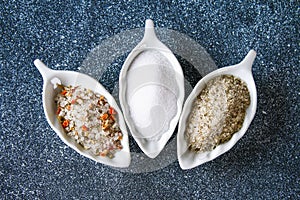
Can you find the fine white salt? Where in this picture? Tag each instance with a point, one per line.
(151, 94)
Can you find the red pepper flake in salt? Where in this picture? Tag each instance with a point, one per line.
(104, 116)
(103, 153)
(84, 128)
(65, 123)
(112, 111)
(73, 101)
(64, 92)
(58, 110)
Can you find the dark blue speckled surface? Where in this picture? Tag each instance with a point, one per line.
(35, 163)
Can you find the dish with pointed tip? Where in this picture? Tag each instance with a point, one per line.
(189, 159)
(51, 79)
(151, 92)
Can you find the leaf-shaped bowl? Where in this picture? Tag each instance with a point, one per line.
(190, 159)
(150, 73)
(51, 79)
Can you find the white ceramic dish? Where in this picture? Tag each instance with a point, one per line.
(51, 78)
(138, 75)
(243, 70)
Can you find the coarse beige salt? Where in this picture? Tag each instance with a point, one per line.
(217, 113)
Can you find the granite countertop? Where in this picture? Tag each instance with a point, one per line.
(36, 164)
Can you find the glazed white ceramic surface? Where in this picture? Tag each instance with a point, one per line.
(150, 145)
(51, 78)
(243, 70)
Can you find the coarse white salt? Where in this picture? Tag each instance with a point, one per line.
(89, 120)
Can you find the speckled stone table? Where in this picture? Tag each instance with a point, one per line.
(36, 164)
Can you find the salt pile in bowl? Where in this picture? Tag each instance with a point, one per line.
(151, 92)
